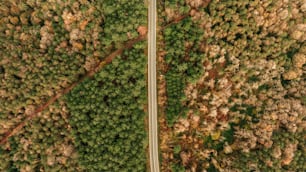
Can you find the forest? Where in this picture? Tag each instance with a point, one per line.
(232, 85)
(73, 85)
(107, 115)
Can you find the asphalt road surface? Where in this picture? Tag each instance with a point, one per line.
(152, 95)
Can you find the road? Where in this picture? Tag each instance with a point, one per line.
(152, 95)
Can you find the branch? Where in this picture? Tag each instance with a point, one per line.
(175, 21)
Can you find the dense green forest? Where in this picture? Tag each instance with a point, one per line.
(234, 83)
(184, 62)
(45, 47)
(107, 115)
